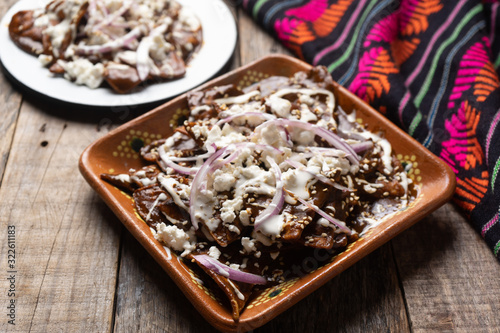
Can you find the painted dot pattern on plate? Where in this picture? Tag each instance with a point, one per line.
(199, 283)
(251, 77)
(179, 117)
(272, 292)
(132, 143)
(410, 162)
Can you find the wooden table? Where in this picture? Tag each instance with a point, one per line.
(77, 269)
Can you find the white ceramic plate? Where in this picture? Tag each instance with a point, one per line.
(219, 41)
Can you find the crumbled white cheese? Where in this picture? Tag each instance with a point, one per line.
(188, 19)
(200, 131)
(244, 217)
(248, 244)
(175, 238)
(279, 106)
(330, 164)
(233, 228)
(303, 137)
(214, 252)
(223, 137)
(330, 98)
(271, 135)
(83, 72)
(255, 180)
(45, 59)
(160, 47)
(230, 208)
(57, 33)
(223, 181)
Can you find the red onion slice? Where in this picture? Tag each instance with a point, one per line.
(362, 146)
(110, 46)
(325, 134)
(232, 156)
(228, 272)
(167, 161)
(142, 52)
(109, 19)
(180, 169)
(198, 181)
(329, 218)
(285, 135)
(279, 197)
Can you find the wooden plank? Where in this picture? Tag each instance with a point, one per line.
(254, 41)
(66, 239)
(148, 300)
(365, 298)
(10, 103)
(451, 279)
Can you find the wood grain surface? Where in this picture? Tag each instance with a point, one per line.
(78, 269)
(10, 103)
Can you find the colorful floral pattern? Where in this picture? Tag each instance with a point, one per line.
(430, 66)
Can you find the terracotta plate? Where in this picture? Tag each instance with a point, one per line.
(118, 152)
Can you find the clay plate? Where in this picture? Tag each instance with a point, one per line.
(118, 152)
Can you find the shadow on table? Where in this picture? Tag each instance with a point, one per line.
(104, 117)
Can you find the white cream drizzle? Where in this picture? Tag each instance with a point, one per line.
(386, 149)
(237, 291)
(240, 99)
(173, 187)
(161, 197)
